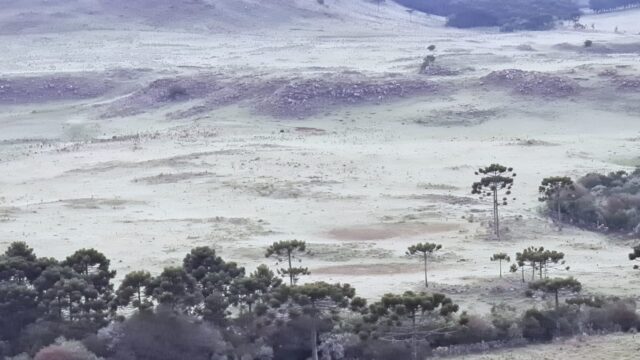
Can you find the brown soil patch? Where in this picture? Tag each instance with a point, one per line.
(389, 231)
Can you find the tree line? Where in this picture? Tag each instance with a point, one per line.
(607, 5)
(209, 308)
(509, 15)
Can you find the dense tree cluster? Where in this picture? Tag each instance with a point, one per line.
(540, 260)
(208, 308)
(604, 5)
(509, 15)
(608, 203)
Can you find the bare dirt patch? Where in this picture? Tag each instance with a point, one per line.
(389, 231)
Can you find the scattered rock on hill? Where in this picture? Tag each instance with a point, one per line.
(532, 83)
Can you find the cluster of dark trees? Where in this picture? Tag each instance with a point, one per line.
(509, 15)
(601, 202)
(208, 308)
(609, 203)
(606, 5)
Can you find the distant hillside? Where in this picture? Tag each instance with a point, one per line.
(27, 16)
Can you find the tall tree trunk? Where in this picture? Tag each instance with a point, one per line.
(414, 341)
(557, 303)
(426, 279)
(533, 273)
(290, 272)
(558, 206)
(496, 221)
(314, 341)
(500, 262)
(542, 264)
(522, 268)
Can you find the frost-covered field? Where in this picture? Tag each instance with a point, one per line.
(144, 140)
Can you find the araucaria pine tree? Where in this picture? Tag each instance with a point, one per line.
(554, 286)
(316, 302)
(495, 182)
(500, 257)
(424, 250)
(551, 190)
(288, 250)
(411, 317)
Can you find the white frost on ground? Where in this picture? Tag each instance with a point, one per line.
(360, 184)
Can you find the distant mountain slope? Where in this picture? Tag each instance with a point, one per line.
(27, 16)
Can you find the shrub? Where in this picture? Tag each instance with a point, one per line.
(537, 326)
(614, 315)
(165, 335)
(474, 329)
(604, 202)
(379, 350)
